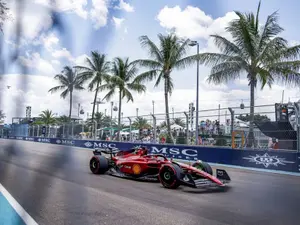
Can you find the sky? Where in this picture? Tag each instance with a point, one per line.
(113, 27)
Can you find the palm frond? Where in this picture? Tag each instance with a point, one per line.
(225, 72)
(186, 62)
(226, 47)
(160, 77)
(148, 63)
(140, 88)
(146, 76)
(57, 88)
(270, 30)
(127, 94)
(61, 79)
(109, 95)
(64, 93)
(152, 49)
(243, 35)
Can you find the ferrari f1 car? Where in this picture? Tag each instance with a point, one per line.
(138, 164)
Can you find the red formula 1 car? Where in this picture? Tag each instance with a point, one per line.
(138, 164)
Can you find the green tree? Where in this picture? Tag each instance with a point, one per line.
(102, 120)
(63, 119)
(141, 123)
(170, 54)
(98, 67)
(179, 121)
(69, 81)
(47, 117)
(257, 118)
(2, 115)
(163, 124)
(122, 81)
(255, 51)
(4, 13)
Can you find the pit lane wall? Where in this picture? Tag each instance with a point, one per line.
(271, 160)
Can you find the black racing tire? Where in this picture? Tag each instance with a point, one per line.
(169, 176)
(99, 164)
(203, 166)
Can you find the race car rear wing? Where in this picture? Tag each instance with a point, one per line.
(109, 150)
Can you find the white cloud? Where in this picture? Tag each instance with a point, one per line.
(35, 61)
(125, 6)
(62, 53)
(49, 41)
(118, 21)
(37, 96)
(77, 6)
(99, 13)
(192, 22)
(56, 62)
(35, 18)
(81, 60)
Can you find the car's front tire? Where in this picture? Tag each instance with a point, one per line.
(203, 166)
(99, 164)
(169, 176)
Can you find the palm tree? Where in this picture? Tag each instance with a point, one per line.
(257, 52)
(47, 117)
(63, 119)
(97, 68)
(141, 123)
(179, 121)
(163, 124)
(170, 54)
(69, 81)
(2, 115)
(101, 119)
(122, 80)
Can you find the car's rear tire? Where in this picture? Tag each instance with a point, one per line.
(203, 166)
(169, 176)
(99, 164)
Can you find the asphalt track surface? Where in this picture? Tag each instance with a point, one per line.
(54, 185)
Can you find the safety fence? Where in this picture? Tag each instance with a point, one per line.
(224, 127)
(275, 160)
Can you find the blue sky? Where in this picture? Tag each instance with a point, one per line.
(113, 27)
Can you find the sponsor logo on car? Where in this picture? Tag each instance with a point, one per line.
(267, 160)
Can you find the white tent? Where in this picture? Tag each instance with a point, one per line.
(176, 127)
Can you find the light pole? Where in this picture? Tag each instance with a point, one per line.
(153, 107)
(111, 118)
(194, 43)
(98, 102)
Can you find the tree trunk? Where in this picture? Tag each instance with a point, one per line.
(119, 115)
(167, 110)
(70, 113)
(251, 141)
(95, 100)
(71, 104)
(93, 112)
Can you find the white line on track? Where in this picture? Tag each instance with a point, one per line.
(17, 207)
